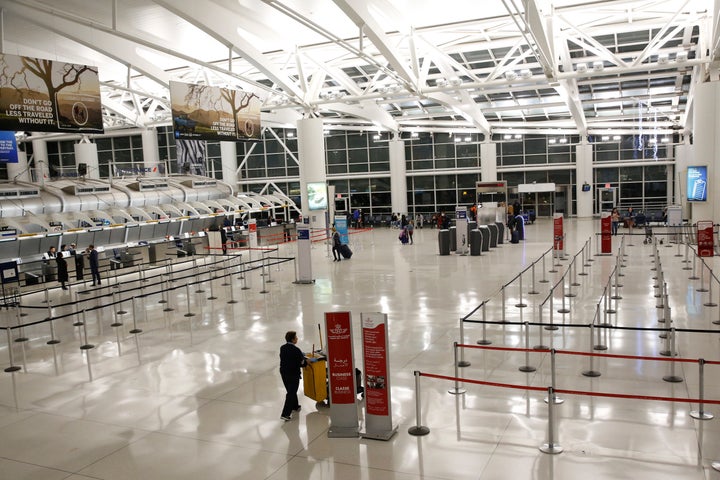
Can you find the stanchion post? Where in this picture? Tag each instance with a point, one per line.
(502, 297)
(12, 367)
(484, 340)
(53, 340)
(417, 430)
(187, 298)
(527, 368)
(456, 390)
(554, 398)
(700, 413)
(591, 372)
(135, 330)
(462, 362)
(702, 277)
(672, 378)
(520, 303)
(540, 345)
(551, 446)
(532, 278)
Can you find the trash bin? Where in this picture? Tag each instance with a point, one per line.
(485, 232)
(472, 225)
(475, 243)
(453, 239)
(501, 233)
(493, 235)
(444, 242)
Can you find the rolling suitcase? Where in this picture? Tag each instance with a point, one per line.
(345, 251)
(515, 237)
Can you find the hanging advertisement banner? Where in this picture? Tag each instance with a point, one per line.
(606, 233)
(203, 112)
(378, 418)
(705, 239)
(8, 148)
(697, 179)
(341, 375)
(40, 95)
(558, 233)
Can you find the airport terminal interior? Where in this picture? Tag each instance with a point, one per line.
(206, 148)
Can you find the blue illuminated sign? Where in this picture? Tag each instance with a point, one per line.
(697, 184)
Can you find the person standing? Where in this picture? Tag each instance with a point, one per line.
(336, 245)
(410, 229)
(615, 220)
(94, 259)
(79, 261)
(292, 360)
(62, 269)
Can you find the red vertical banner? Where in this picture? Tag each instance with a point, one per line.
(341, 368)
(374, 338)
(705, 240)
(605, 233)
(558, 233)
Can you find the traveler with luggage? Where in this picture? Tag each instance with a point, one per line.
(336, 245)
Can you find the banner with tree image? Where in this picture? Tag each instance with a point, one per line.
(202, 112)
(40, 95)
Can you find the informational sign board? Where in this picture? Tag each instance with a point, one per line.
(705, 239)
(697, 186)
(39, 95)
(378, 418)
(8, 148)
(341, 225)
(341, 375)
(461, 231)
(304, 260)
(606, 233)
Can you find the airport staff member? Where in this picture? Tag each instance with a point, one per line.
(94, 259)
(292, 360)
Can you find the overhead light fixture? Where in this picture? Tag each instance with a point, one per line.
(681, 56)
(581, 67)
(563, 140)
(652, 141)
(665, 140)
(663, 59)
(517, 136)
(441, 82)
(598, 66)
(526, 73)
(455, 82)
(552, 141)
(414, 134)
(458, 139)
(468, 138)
(616, 137)
(507, 136)
(511, 75)
(605, 138)
(376, 136)
(290, 134)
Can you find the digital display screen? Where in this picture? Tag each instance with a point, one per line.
(586, 187)
(697, 184)
(317, 196)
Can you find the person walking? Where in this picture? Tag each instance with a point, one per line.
(292, 360)
(94, 259)
(336, 245)
(62, 269)
(410, 229)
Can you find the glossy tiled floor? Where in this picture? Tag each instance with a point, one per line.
(200, 397)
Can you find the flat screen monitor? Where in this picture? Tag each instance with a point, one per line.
(317, 196)
(697, 183)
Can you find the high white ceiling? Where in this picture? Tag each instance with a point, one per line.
(487, 66)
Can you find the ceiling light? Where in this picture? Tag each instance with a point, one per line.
(563, 140)
(441, 82)
(616, 137)
(510, 75)
(376, 136)
(581, 67)
(652, 140)
(665, 140)
(507, 136)
(525, 73)
(663, 58)
(458, 139)
(455, 81)
(605, 138)
(681, 56)
(414, 134)
(598, 66)
(467, 139)
(290, 134)
(517, 136)
(552, 141)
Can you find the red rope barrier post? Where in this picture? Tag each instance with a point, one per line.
(484, 340)
(417, 430)
(551, 446)
(554, 397)
(700, 413)
(456, 390)
(527, 368)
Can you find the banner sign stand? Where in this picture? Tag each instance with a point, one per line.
(461, 228)
(378, 406)
(605, 233)
(304, 258)
(705, 241)
(341, 376)
(341, 225)
(558, 235)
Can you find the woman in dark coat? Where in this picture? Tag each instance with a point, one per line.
(62, 269)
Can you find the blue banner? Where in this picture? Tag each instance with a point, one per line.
(697, 184)
(8, 148)
(341, 225)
